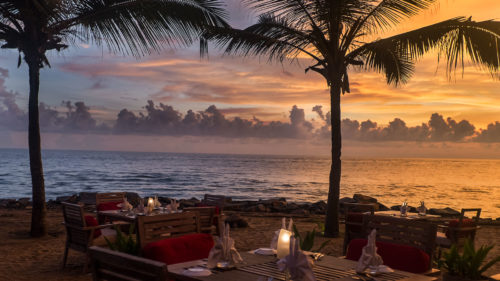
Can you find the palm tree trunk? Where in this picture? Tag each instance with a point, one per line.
(332, 211)
(38, 215)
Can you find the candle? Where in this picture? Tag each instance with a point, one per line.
(151, 204)
(283, 248)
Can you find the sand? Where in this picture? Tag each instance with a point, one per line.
(25, 258)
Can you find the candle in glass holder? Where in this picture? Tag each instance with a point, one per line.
(283, 248)
(151, 204)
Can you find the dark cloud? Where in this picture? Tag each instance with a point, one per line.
(491, 134)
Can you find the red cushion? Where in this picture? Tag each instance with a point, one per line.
(402, 257)
(465, 223)
(108, 206)
(91, 221)
(180, 249)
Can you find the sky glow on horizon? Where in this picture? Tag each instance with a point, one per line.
(250, 87)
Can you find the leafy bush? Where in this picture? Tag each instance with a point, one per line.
(469, 263)
(307, 243)
(126, 243)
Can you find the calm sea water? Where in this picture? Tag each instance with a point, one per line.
(440, 182)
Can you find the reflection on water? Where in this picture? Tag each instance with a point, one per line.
(440, 182)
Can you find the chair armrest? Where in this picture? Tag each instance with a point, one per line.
(433, 272)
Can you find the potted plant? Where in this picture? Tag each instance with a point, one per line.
(470, 265)
(123, 242)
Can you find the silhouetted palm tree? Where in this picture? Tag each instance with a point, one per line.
(336, 34)
(134, 27)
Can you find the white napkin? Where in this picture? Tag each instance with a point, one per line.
(140, 207)
(274, 242)
(125, 205)
(224, 250)
(157, 203)
(422, 209)
(172, 207)
(265, 251)
(369, 256)
(298, 265)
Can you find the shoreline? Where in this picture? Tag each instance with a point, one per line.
(274, 205)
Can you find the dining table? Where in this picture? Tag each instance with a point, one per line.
(127, 216)
(264, 268)
(409, 216)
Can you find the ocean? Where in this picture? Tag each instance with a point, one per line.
(456, 183)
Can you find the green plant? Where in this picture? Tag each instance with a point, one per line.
(125, 243)
(307, 243)
(469, 263)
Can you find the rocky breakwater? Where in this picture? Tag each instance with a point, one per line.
(232, 207)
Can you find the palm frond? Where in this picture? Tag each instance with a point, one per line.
(139, 26)
(384, 58)
(387, 13)
(455, 39)
(272, 36)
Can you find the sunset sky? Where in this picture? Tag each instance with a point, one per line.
(248, 88)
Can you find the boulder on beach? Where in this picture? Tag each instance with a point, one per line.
(445, 212)
(360, 198)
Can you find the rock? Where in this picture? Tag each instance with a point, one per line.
(346, 200)
(261, 208)
(236, 220)
(301, 211)
(70, 199)
(382, 207)
(292, 206)
(4, 203)
(360, 198)
(446, 212)
(278, 205)
(318, 207)
(187, 203)
(88, 197)
(498, 219)
(132, 197)
(24, 202)
(396, 208)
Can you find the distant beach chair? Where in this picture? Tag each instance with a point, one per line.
(457, 231)
(83, 231)
(403, 244)
(113, 265)
(353, 213)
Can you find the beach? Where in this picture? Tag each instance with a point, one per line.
(25, 258)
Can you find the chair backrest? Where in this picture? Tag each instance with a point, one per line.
(158, 227)
(77, 237)
(353, 213)
(109, 197)
(205, 214)
(463, 229)
(419, 234)
(117, 266)
(214, 200)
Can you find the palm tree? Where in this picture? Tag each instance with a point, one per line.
(135, 27)
(336, 34)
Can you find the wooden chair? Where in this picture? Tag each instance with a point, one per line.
(117, 266)
(206, 216)
(214, 200)
(109, 197)
(457, 232)
(158, 227)
(418, 234)
(80, 236)
(353, 213)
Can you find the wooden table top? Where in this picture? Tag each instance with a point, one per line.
(124, 216)
(258, 267)
(410, 216)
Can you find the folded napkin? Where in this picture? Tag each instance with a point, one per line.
(297, 263)
(265, 251)
(422, 209)
(140, 207)
(369, 256)
(224, 250)
(125, 205)
(157, 203)
(172, 207)
(274, 242)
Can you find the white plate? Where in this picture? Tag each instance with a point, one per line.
(196, 271)
(265, 251)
